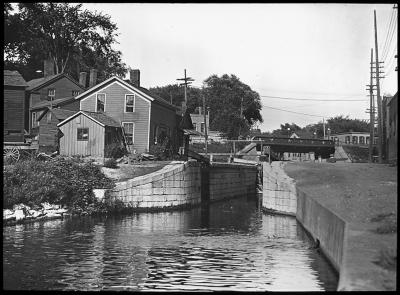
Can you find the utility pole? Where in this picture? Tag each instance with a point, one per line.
(323, 123)
(187, 81)
(378, 95)
(371, 110)
(205, 121)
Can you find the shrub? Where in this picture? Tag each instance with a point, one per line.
(115, 150)
(111, 163)
(58, 181)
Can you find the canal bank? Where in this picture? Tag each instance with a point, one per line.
(351, 209)
(183, 184)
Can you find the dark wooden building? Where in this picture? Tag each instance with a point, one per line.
(13, 106)
(49, 89)
(48, 131)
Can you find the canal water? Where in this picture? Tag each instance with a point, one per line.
(229, 245)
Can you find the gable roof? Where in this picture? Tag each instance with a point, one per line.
(60, 114)
(54, 103)
(13, 78)
(145, 93)
(99, 118)
(44, 81)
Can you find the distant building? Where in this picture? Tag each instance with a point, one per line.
(13, 106)
(199, 127)
(354, 138)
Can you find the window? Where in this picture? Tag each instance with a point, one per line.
(48, 117)
(361, 139)
(129, 132)
(83, 134)
(194, 126)
(355, 140)
(34, 117)
(202, 127)
(161, 133)
(101, 100)
(51, 94)
(75, 93)
(129, 103)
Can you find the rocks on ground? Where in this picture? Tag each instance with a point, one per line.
(21, 212)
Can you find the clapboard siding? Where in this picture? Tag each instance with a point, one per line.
(63, 87)
(114, 107)
(48, 131)
(69, 145)
(13, 114)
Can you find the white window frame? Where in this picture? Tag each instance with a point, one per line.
(134, 103)
(77, 134)
(133, 130)
(33, 120)
(53, 95)
(105, 99)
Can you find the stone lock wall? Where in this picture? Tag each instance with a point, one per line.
(175, 185)
(230, 180)
(279, 190)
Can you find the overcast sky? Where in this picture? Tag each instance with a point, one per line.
(317, 51)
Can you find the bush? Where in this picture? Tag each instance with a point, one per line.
(111, 163)
(115, 150)
(59, 181)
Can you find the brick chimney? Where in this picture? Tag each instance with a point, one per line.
(82, 78)
(92, 78)
(135, 77)
(48, 67)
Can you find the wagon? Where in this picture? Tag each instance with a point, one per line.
(12, 151)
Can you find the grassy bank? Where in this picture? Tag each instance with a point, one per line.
(65, 182)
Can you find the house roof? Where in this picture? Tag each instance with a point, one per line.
(44, 81)
(14, 78)
(53, 103)
(60, 114)
(141, 90)
(99, 118)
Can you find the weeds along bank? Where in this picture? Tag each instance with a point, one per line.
(65, 182)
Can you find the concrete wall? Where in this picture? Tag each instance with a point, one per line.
(175, 185)
(230, 180)
(279, 190)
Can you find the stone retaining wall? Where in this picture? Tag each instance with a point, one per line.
(230, 180)
(175, 185)
(279, 190)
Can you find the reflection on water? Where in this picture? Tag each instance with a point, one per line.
(226, 246)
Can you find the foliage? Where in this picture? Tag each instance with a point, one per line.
(59, 181)
(163, 149)
(340, 124)
(234, 106)
(111, 163)
(177, 95)
(283, 131)
(115, 151)
(73, 38)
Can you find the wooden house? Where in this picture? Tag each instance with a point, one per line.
(49, 89)
(144, 116)
(89, 134)
(48, 132)
(13, 106)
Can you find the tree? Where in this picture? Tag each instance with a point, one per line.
(73, 38)
(340, 124)
(283, 130)
(177, 94)
(234, 106)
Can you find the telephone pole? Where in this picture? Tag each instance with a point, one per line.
(205, 122)
(187, 81)
(371, 109)
(378, 95)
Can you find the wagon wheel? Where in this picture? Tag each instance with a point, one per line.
(11, 154)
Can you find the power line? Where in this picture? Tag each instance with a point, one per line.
(385, 53)
(310, 99)
(294, 112)
(389, 28)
